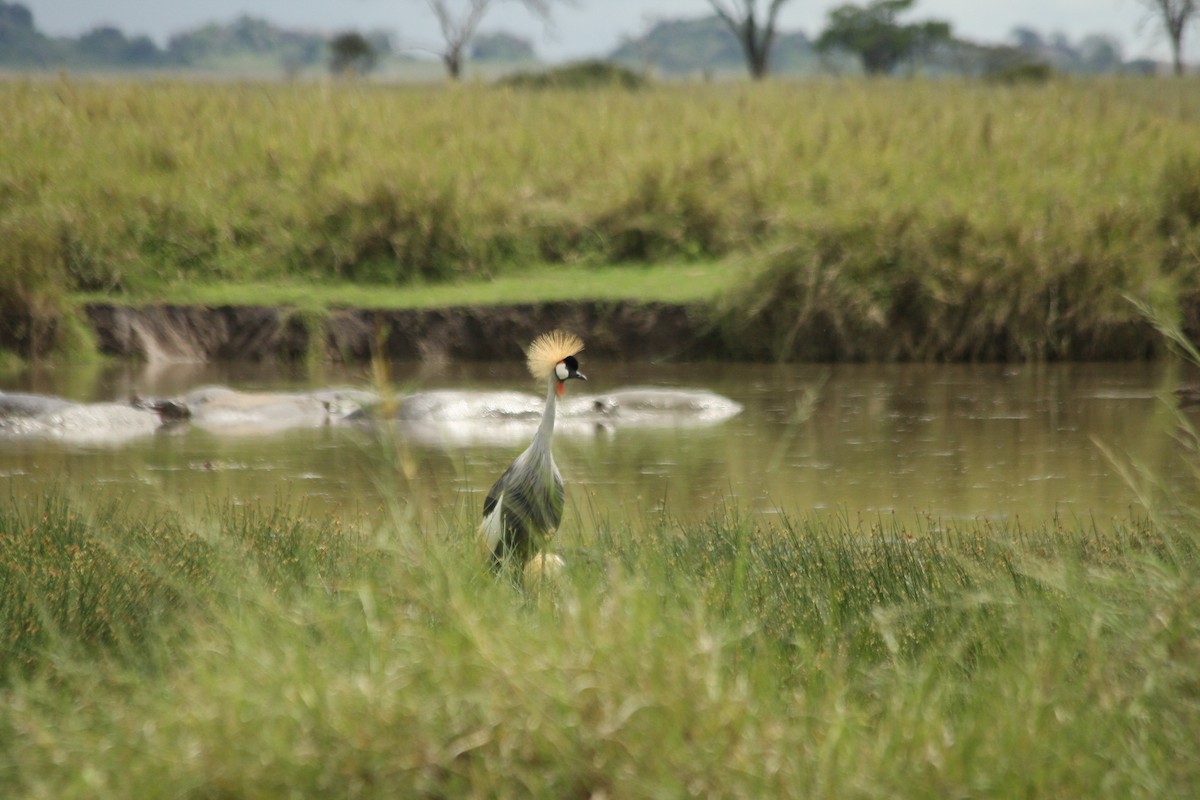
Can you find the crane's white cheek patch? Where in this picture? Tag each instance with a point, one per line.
(561, 372)
(493, 526)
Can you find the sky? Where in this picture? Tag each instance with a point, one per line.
(583, 28)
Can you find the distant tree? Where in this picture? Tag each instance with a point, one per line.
(380, 41)
(1004, 64)
(214, 46)
(16, 16)
(351, 53)
(459, 22)
(1175, 15)
(589, 74)
(1027, 38)
(1093, 54)
(754, 28)
(501, 46)
(20, 42)
(1100, 53)
(705, 45)
(680, 46)
(874, 34)
(103, 45)
(108, 46)
(1141, 67)
(141, 51)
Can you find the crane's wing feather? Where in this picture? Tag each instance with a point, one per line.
(529, 509)
(489, 502)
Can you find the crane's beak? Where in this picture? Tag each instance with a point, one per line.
(579, 375)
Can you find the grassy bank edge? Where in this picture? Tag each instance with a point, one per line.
(683, 282)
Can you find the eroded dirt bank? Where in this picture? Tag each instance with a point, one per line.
(621, 330)
(199, 333)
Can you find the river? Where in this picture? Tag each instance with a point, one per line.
(950, 442)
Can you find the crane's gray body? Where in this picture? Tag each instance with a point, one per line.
(524, 507)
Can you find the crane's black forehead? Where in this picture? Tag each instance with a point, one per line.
(571, 362)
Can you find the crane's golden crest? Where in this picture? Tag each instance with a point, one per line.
(549, 349)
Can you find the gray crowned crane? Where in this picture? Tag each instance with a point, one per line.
(525, 505)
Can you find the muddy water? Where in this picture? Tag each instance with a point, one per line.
(995, 441)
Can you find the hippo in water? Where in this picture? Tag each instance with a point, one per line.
(454, 417)
(227, 411)
(16, 404)
(648, 406)
(31, 415)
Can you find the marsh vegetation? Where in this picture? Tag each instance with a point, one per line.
(986, 221)
(255, 652)
(260, 649)
(214, 643)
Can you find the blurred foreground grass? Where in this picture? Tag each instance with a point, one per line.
(260, 653)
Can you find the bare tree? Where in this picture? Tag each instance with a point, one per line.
(754, 28)
(1174, 16)
(460, 22)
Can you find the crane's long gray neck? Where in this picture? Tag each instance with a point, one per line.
(546, 429)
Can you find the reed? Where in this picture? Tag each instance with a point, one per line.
(86, 578)
(908, 287)
(973, 211)
(737, 657)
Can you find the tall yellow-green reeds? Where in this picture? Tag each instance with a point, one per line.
(1084, 187)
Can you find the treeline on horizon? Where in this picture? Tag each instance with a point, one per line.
(211, 46)
(672, 47)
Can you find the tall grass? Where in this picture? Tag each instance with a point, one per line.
(965, 207)
(740, 657)
(912, 287)
(31, 286)
(83, 579)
